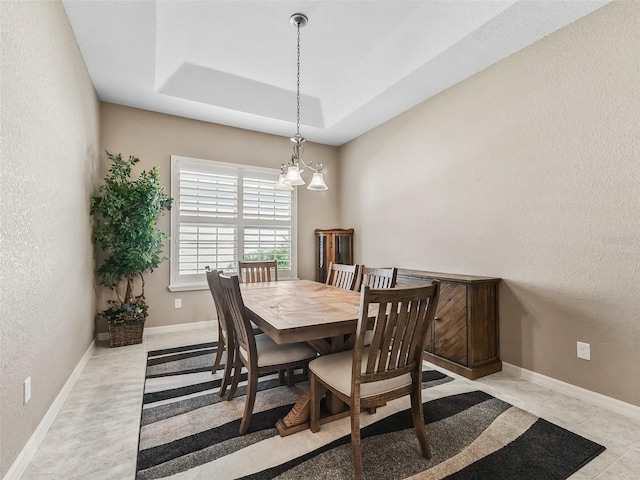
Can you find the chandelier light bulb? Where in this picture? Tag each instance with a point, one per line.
(317, 183)
(293, 176)
(280, 185)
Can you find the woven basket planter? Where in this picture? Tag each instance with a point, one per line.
(126, 333)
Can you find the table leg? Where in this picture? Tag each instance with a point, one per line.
(298, 418)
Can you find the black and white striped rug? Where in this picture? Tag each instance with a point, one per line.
(188, 432)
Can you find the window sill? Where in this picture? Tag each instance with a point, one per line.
(188, 288)
(193, 287)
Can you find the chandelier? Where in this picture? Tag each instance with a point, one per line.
(290, 173)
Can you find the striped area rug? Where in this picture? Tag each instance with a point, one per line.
(188, 432)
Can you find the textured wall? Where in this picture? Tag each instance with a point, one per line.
(528, 171)
(154, 137)
(50, 131)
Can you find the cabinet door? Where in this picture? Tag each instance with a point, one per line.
(450, 330)
(322, 260)
(332, 246)
(342, 249)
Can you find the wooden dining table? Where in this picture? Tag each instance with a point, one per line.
(304, 311)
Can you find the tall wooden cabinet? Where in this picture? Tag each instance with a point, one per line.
(464, 336)
(333, 245)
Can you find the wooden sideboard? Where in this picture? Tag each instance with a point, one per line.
(464, 336)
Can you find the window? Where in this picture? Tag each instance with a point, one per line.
(223, 212)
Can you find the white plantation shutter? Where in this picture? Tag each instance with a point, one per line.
(263, 243)
(261, 201)
(207, 194)
(202, 245)
(225, 212)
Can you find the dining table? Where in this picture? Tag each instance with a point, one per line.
(322, 315)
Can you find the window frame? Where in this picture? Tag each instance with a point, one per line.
(199, 282)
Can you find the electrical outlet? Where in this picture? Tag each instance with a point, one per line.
(26, 389)
(584, 351)
(178, 303)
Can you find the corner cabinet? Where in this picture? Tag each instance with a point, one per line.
(464, 336)
(332, 246)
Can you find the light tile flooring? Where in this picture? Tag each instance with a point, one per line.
(95, 435)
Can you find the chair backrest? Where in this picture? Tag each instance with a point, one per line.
(226, 325)
(377, 277)
(244, 337)
(343, 276)
(399, 333)
(254, 272)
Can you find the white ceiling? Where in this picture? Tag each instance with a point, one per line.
(362, 62)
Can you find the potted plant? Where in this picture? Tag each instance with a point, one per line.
(126, 212)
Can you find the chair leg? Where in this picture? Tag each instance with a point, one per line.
(355, 440)
(250, 400)
(316, 394)
(221, 346)
(227, 372)
(290, 382)
(281, 379)
(237, 370)
(418, 419)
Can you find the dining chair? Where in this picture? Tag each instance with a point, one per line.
(377, 277)
(254, 272)
(258, 353)
(225, 330)
(389, 368)
(343, 276)
(226, 336)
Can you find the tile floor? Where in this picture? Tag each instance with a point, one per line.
(95, 435)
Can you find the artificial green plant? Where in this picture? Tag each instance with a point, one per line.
(126, 213)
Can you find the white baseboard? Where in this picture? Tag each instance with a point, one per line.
(21, 463)
(589, 396)
(180, 327)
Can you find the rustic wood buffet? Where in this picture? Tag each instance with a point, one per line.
(464, 338)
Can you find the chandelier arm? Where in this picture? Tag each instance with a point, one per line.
(298, 150)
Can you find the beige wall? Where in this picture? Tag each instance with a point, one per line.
(154, 137)
(49, 118)
(528, 171)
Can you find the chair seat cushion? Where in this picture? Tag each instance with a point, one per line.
(335, 370)
(271, 353)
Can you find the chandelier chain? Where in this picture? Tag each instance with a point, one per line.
(298, 85)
